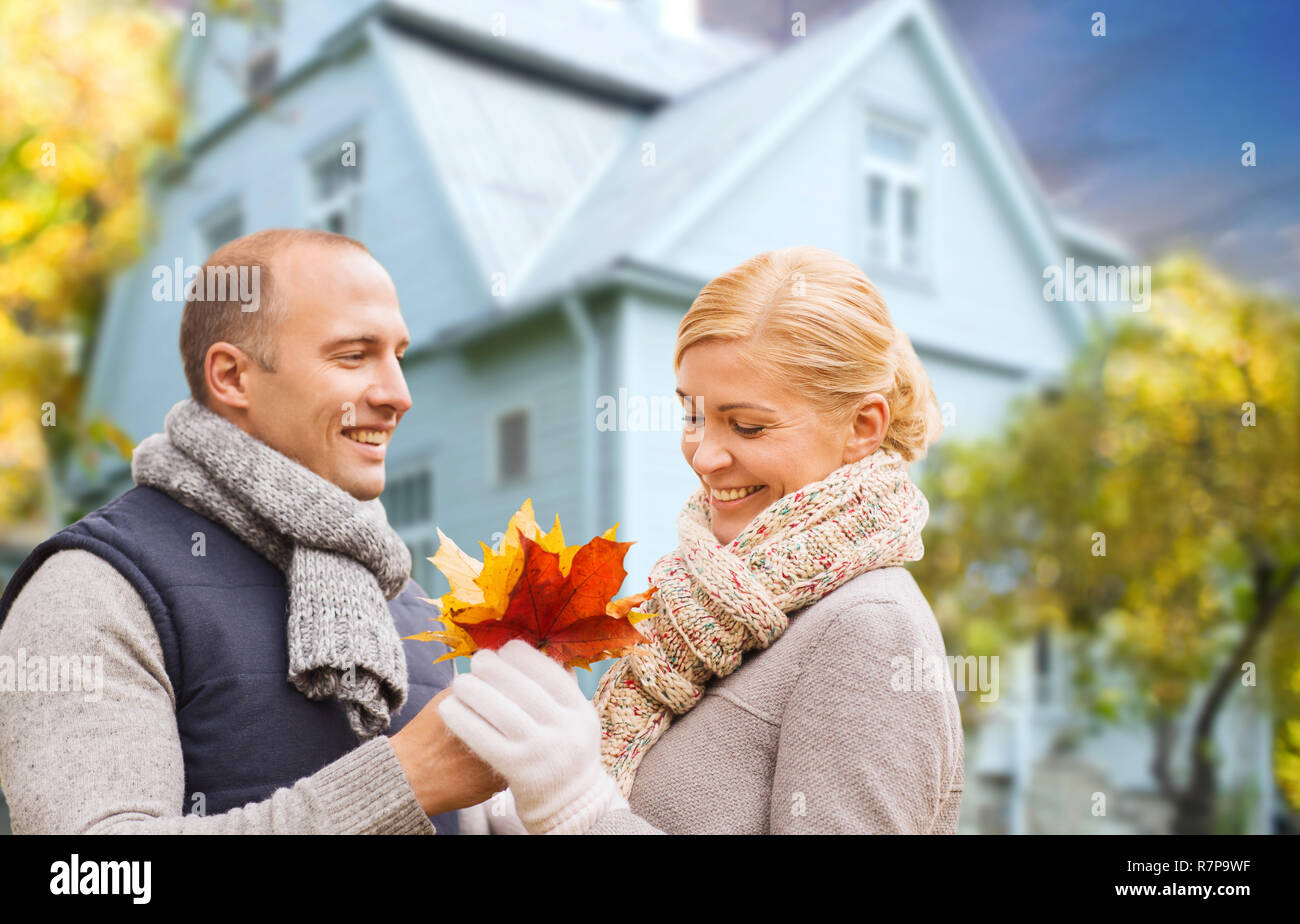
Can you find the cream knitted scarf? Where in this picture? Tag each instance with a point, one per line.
(713, 604)
(341, 560)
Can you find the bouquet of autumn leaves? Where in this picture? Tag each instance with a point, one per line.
(556, 597)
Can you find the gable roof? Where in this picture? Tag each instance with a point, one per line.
(554, 190)
(702, 145)
(508, 152)
(706, 142)
(602, 47)
(517, 125)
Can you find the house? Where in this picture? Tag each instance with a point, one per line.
(550, 183)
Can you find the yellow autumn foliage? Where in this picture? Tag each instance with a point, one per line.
(87, 105)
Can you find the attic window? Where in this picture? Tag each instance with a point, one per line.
(895, 195)
(890, 143)
(335, 184)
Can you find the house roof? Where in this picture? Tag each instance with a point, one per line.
(519, 124)
(1075, 232)
(509, 152)
(700, 141)
(538, 135)
(581, 203)
(599, 45)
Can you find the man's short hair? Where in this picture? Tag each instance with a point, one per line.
(214, 314)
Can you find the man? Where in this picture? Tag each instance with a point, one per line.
(247, 596)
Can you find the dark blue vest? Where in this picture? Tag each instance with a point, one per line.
(245, 729)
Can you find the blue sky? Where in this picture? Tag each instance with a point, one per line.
(1140, 131)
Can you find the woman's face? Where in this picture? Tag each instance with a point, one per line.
(751, 440)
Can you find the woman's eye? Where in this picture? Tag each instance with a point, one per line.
(355, 357)
(749, 431)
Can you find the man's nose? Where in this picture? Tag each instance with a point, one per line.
(390, 389)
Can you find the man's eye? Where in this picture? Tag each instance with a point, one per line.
(355, 357)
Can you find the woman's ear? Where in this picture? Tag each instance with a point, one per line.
(867, 428)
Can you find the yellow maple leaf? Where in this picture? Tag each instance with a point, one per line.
(460, 571)
(499, 575)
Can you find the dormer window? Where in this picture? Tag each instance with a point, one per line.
(895, 195)
(334, 187)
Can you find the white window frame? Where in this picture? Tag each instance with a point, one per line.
(346, 199)
(897, 177)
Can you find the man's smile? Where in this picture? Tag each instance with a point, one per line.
(372, 443)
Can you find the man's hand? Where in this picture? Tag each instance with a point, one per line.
(444, 774)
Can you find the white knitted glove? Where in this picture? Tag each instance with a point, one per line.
(495, 816)
(525, 716)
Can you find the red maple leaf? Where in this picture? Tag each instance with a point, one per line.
(565, 615)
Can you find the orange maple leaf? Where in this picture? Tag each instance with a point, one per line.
(564, 616)
(556, 597)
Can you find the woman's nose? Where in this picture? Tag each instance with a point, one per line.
(710, 456)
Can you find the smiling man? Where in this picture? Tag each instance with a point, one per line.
(247, 596)
(318, 375)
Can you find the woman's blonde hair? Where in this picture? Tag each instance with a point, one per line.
(816, 321)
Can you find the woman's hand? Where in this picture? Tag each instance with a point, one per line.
(495, 816)
(524, 715)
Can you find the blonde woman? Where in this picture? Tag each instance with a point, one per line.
(779, 688)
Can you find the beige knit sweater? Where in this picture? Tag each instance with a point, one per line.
(811, 736)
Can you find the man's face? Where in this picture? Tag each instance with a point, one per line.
(337, 392)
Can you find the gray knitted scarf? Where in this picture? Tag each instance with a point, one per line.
(341, 559)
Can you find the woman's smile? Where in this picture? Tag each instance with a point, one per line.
(728, 498)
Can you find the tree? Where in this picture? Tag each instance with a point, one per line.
(1150, 506)
(87, 105)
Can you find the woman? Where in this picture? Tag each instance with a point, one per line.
(775, 691)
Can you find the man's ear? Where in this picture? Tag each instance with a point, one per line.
(224, 367)
(868, 426)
